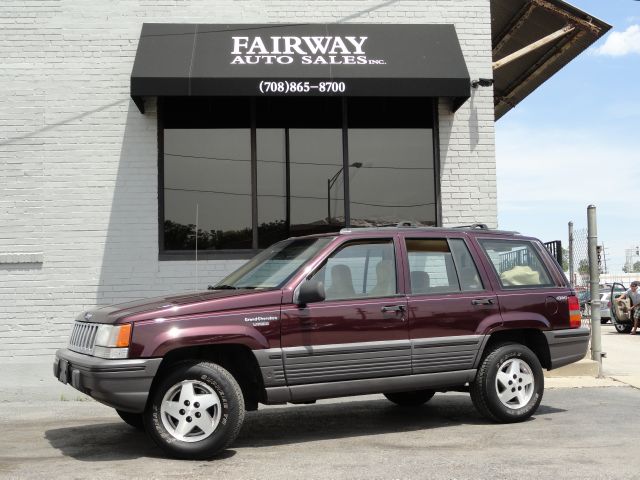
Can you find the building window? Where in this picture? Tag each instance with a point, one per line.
(207, 182)
(248, 172)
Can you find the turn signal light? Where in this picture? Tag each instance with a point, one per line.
(124, 334)
(575, 317)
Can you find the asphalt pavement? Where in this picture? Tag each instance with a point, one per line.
(576, 433)
(585, 428)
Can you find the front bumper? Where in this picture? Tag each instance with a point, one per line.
(121, 384)
(567, 346)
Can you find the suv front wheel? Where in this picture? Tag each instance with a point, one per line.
(196, 411)
(509, 384)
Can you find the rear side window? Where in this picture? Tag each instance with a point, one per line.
(516, 263)
(431, 266)
(467, 270)
(360, 270)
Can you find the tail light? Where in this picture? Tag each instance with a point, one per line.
(609, 304)
(575, 317)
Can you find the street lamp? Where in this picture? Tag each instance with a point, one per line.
(331, 181)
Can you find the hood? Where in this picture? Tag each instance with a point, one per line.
(179, 305)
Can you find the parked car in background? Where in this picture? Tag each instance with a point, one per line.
(620, 315)
(605, 306)
(584, 297)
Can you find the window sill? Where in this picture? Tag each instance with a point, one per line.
(177, 255)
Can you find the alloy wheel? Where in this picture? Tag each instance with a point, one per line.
(191, 411)
(515, 383)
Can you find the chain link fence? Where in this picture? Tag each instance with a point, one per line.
(581, 278)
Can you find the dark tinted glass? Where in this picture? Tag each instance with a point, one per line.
(393, 176)
(317, 200)
(300, 174)
(299, 112)
(205, 112)
(391, 153)
(273, 222)
(390, 112)
(207, 181)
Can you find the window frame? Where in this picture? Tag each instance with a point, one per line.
(475, 264)
(397, 261)
(485, 280)
(409, 287)
(532, 246)
(245, 254)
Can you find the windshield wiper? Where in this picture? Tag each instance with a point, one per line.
(222, 287)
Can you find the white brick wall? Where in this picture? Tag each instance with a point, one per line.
(78, 173)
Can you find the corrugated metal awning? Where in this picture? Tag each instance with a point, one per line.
(517, 24)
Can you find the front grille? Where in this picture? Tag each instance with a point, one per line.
(83, 336)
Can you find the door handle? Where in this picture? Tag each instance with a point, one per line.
(482, 301)
(393, 308)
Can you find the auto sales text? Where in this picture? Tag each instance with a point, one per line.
(307, 50)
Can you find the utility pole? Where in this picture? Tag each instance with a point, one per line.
(594, 283)
(571, 280)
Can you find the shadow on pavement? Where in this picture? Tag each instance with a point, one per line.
(102, 442)
(281, 426)
(360, 418)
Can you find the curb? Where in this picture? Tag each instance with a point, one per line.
(584, 368)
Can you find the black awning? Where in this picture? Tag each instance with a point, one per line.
(311, 59)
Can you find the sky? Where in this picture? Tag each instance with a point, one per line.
(575, 141)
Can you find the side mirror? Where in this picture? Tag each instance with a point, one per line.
(310, 291)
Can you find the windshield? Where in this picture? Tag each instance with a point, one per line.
(273, 267)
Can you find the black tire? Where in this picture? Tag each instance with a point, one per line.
(132, 419)
(622, 327)
(485, 389)
(410, 399)
(229, 411)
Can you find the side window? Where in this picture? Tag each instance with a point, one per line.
(467, 270)
(360, 269)
(431, 266)
(516, 263)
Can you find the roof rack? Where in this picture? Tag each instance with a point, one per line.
(474, 226)
(412, 225)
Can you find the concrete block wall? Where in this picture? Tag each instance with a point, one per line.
(78, 162)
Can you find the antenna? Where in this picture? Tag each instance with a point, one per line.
(197, 212)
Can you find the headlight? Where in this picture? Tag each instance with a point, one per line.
(112, 341)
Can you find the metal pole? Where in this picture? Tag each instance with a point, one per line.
(345, 165)
(571, 279)
(329, 201)
(594, 283)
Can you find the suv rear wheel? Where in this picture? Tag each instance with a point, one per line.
(410, 399)
(509, 384)
(196, 411)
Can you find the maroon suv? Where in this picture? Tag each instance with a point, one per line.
(405, 312)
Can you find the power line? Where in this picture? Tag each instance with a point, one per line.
(223, 159)
(304, 197)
